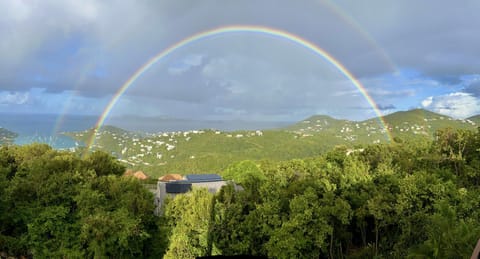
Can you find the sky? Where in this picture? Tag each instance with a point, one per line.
(71, 57)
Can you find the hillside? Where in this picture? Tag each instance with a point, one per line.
(475, 119)
(317, 123)
(418, 122)
(201, 151)
(353, 132)
(6, 136)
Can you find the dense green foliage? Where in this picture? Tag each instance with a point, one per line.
(407, 199)
(54, 205)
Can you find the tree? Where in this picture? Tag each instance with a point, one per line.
(452, 145)
(54, 205)
(190, 216)
(104, 164)
(448, 235)
(116, 214)
(246, 173)
(312, 219)
(230, 232)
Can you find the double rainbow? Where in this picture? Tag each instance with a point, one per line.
(276, 33)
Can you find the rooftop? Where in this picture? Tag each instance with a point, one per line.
(170, 177)
(198, 178)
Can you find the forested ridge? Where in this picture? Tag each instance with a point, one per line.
(406, 199)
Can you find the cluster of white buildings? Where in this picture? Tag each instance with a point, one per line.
(136, 150)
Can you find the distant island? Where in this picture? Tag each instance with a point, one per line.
(7, 136)
(211, 150)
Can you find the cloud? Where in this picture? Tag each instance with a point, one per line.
(66, 42)
(184, 65)
(386, 93)
(439, 48)
(249, 84)
(457, 105)
(473, 88)
(386, 107)
(427, 102)
(50, 38)
(16, 98)
(256, 87)
(94, 47)
(242, 77)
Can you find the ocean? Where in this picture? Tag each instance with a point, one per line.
(46, 128)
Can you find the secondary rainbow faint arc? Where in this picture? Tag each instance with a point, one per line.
(236, 29)
(348, 19)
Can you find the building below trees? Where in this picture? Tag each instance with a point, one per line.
(174, 184)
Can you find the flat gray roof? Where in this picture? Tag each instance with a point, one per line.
(198, 178)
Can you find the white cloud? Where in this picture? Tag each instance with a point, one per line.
(186, 64)
(17, 10)
(193, 60)
(379, 92)
(216, 67)
(177, 70)
(457, 105)
(255, 85)
(427, 102)
(67, 42)
(27, 27)
(14, 98)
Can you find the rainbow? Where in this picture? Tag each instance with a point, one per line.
(284, 35)
(350, 21)
(74, 92)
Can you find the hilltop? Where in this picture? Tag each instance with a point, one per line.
(417, 123)
(201, 151)
(7, 136)
(422, 122)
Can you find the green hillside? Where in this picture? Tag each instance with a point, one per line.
(203, 151)
(317, 123)
(419, 122)
(475, 119)
(6, 136)
(350, 132)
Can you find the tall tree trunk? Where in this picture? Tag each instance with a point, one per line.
(376, 238)
(363, 234)
(331, 244)
(341, 250)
